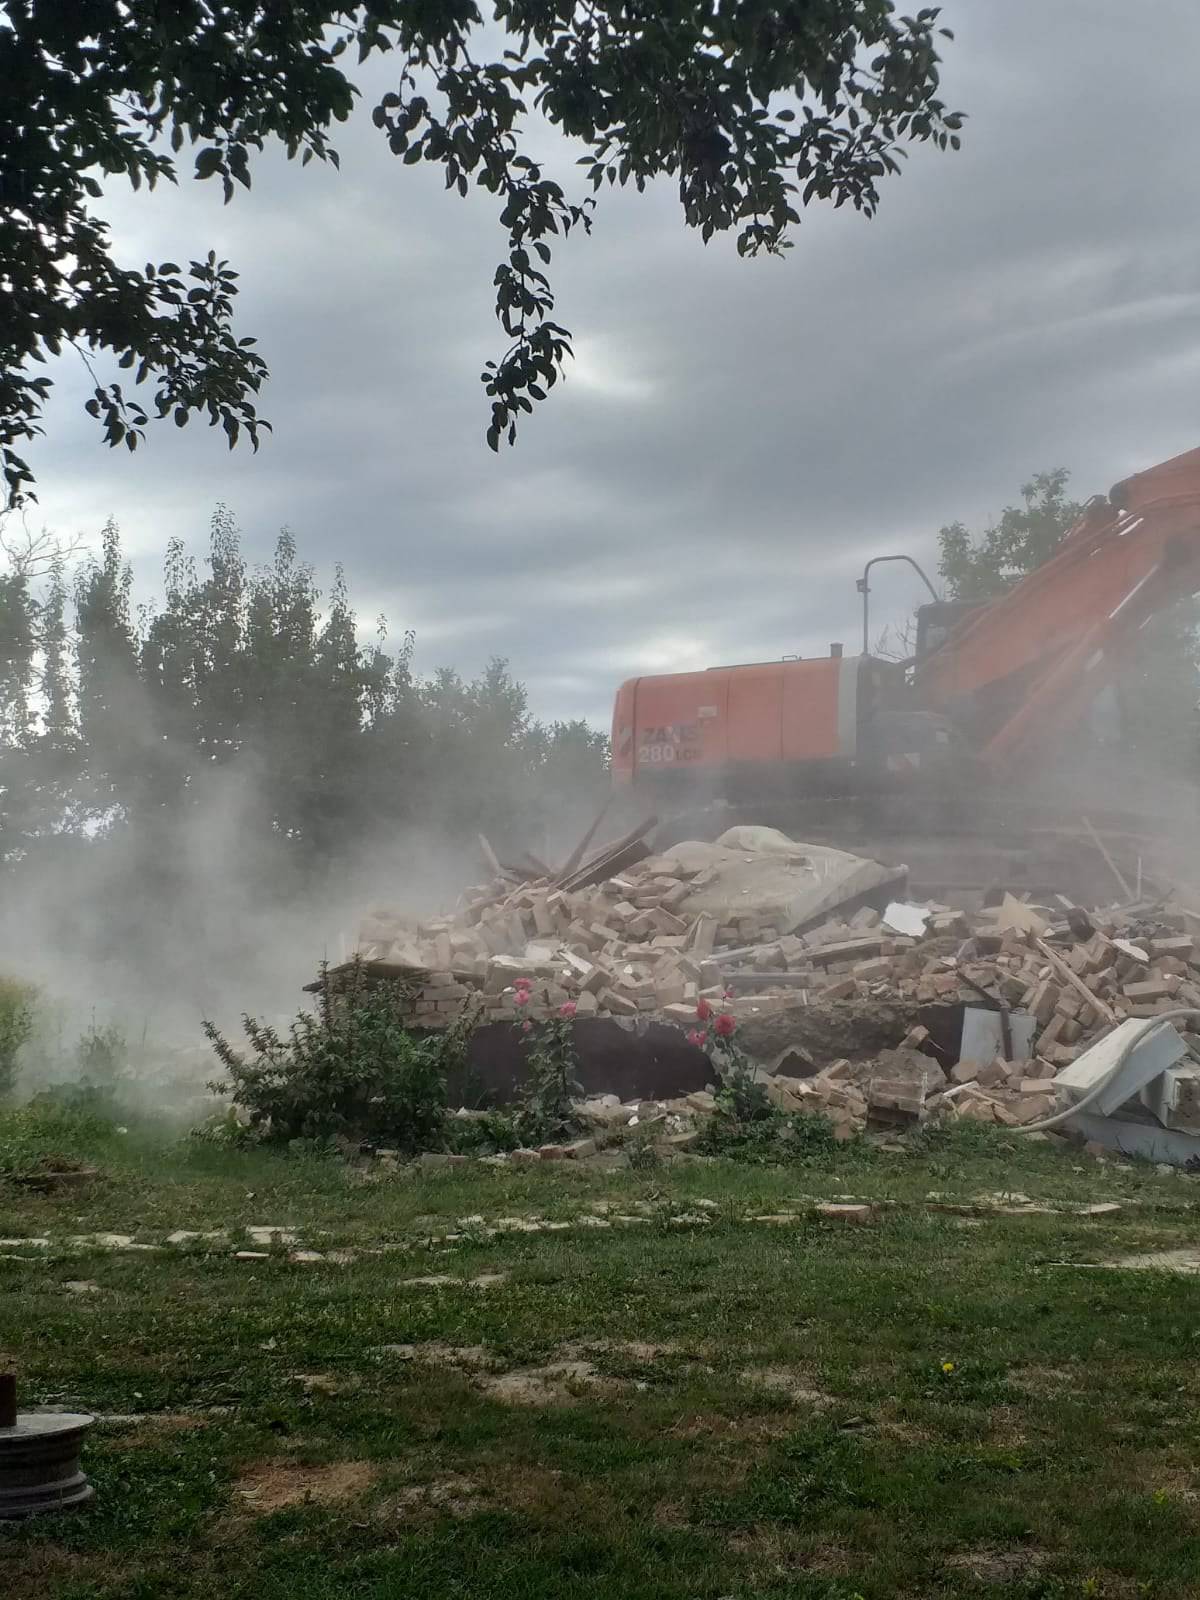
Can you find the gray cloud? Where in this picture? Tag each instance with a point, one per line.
(737, 437)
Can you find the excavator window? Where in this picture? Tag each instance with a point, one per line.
(937, 620)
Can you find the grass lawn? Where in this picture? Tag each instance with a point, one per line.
(688, 1405)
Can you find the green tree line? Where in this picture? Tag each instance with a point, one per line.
(121, 723)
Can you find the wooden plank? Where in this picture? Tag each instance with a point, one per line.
(611, 859)
(615, 860)
(1103, 1008)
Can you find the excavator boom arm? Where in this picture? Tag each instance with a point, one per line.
(1019, 670)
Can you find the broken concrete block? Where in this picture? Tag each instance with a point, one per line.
(681, 1013)
(617, 1004)
(874, 970)
(669, 990)
(790, 1094)
(1152, 989)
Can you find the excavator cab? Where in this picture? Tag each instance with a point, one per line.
(937, 620)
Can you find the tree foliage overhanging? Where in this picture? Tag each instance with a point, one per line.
(756, 109)
(250, 691)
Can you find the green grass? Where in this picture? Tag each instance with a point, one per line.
(767, 1413)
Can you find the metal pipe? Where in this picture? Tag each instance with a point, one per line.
(864, 589)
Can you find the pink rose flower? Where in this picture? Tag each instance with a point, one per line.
(567, 1009)
(725, 1025)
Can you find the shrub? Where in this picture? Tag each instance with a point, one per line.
(16, 1025)
(351, 1068)
(42, 1132)
(483, 1134)
(746, 1124)
(740, 1097)
(546, 1109)
(779, 1136)
(642, 1154)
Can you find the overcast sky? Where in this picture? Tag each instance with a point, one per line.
(735, 438)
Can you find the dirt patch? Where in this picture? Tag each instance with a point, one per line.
(559, 1383)
(1006, 1428)
(788, 1384)
(443, 1280)
(785, 1552)
(466, 1357)
(144, 1432)
(714, 1425)
(319, 1382)
(990, 1564)
(904, 1432)
(1186, 1261)
(1045, 1380)
(268, 1486)
(453, 1496)
(45, 1571)
(635, 1349)
(545, 1492)
(671, 1514)
(1166, 1481)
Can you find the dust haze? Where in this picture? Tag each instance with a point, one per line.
(136, 926)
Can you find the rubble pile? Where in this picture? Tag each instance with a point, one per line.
(1058, 987)
(649, 938)
(756, 925)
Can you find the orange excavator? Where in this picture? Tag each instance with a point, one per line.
(989, 694)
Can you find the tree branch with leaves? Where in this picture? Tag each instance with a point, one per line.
(756, 110)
